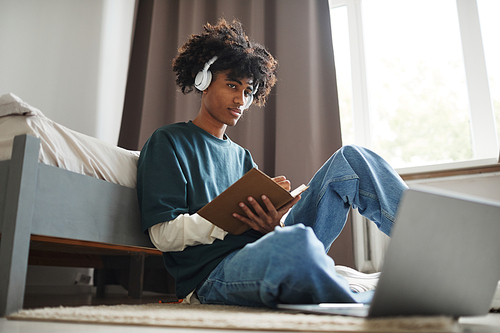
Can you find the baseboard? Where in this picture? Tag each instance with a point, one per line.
(80, 290)
(61, 290)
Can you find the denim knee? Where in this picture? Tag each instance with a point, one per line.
(352, 151)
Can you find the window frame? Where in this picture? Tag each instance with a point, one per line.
(482, 119)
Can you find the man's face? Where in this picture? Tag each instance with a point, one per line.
(225, 97)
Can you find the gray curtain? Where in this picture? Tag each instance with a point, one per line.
(297, 130)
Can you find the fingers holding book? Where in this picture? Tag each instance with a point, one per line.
(263, 219)
(283, 182)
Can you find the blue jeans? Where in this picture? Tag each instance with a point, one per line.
(290, 265)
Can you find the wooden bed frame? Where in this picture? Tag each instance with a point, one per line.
(41, 203)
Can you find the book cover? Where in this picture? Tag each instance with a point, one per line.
(254, 184)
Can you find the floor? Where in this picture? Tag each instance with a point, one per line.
(486, 324)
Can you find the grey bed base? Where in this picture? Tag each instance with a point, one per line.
(43, 200)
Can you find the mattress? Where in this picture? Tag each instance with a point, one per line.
(64, 148)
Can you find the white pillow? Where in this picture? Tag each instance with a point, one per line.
(10, 104)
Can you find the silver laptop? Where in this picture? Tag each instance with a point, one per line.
(443, 259)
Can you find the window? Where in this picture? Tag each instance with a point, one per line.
(490, 25)
(413, 82)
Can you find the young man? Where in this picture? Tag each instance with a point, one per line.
(184, 166)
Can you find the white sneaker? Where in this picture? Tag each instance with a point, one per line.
(358, 282)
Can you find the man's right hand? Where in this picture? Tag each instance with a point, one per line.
(261, 220)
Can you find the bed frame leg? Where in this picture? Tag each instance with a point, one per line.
(136, 275)
(17, 221)
(100, 279)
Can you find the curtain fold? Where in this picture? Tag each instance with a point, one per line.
(298, 129)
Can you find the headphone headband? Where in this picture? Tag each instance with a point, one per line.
(211, 61)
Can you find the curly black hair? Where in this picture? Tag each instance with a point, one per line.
(234, 51)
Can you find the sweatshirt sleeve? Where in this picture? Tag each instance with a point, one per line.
(185, 230)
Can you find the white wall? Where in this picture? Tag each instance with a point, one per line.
(68, 58)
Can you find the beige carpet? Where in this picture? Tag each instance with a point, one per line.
(231, 317)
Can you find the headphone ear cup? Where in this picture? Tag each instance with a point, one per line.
(203, 79)
(248, 102)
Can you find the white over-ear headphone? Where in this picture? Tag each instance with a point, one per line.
(204, 77)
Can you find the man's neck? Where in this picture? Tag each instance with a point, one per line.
(213, 128)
